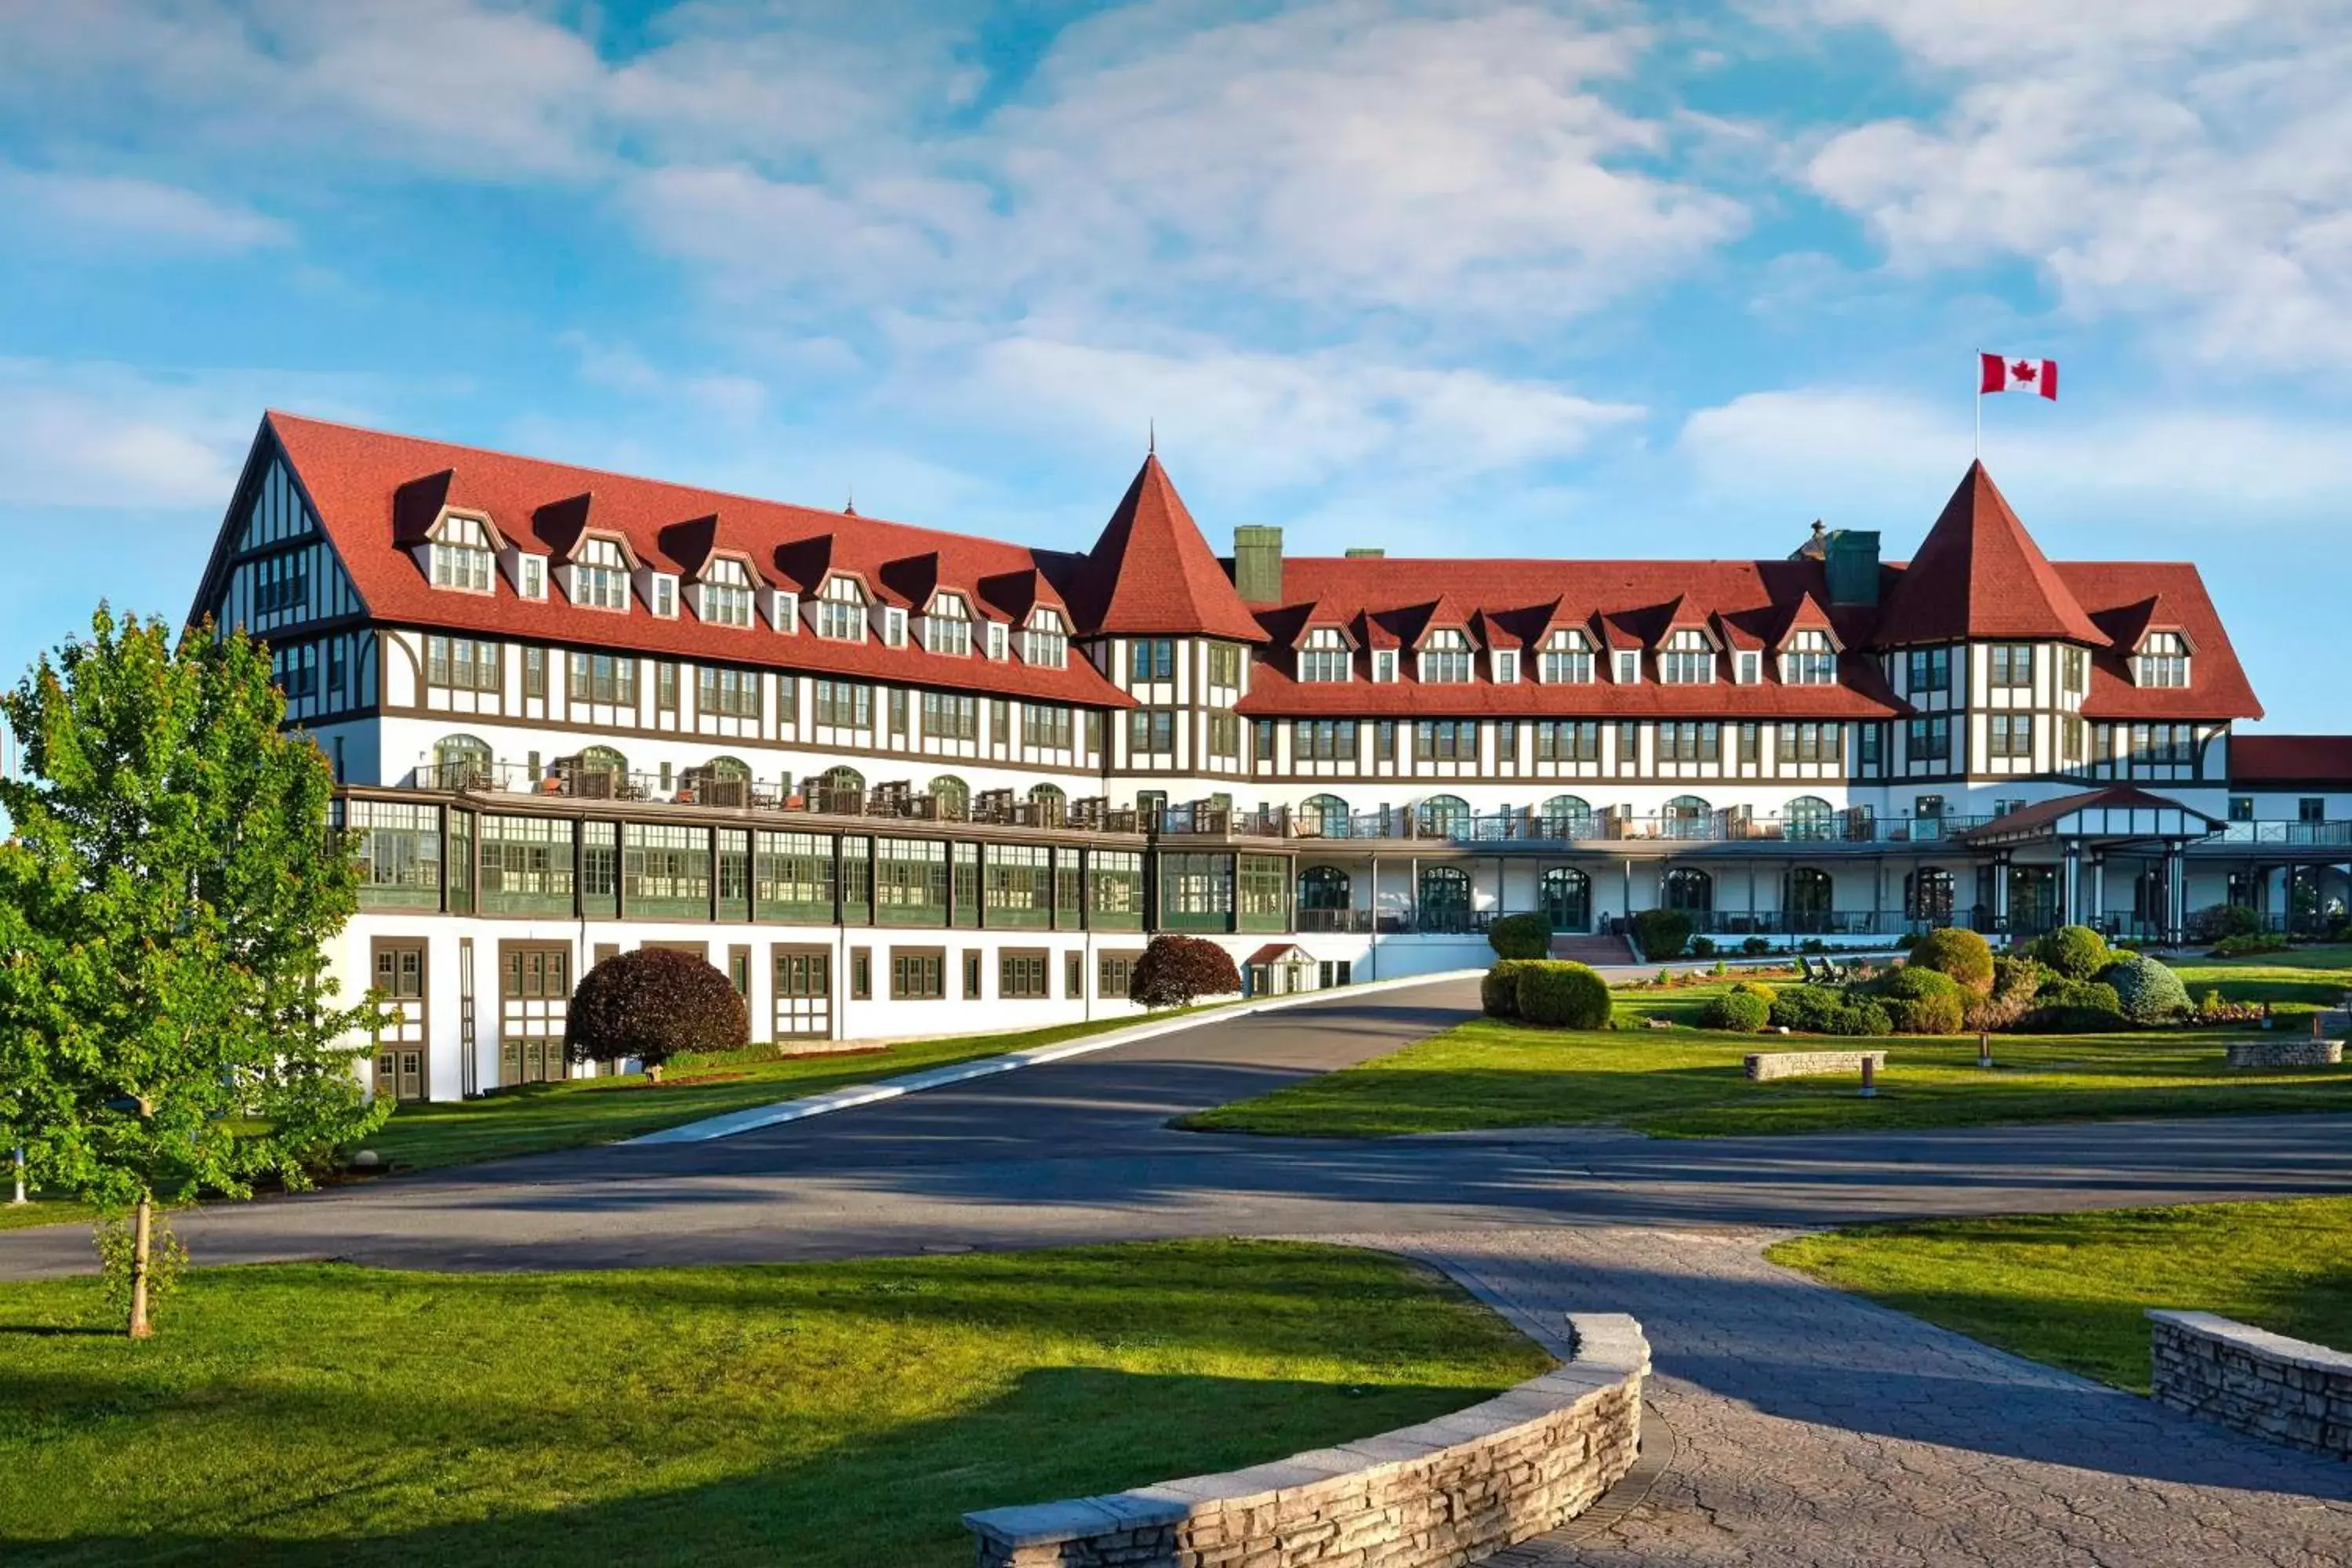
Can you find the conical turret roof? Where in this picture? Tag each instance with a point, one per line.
(1152, 573)
(1980, 574)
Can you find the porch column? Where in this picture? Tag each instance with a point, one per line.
(2099, 889)
(2176, 883)
(2000, 890)
(1625, 905)
(2073, 890)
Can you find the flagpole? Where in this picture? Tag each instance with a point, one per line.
(1976, 447)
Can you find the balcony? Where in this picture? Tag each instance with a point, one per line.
(2283, 835)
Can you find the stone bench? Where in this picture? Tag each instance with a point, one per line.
(2217, 1369)
(1451, 1491)
(1763, 1065)
(2286, 1053)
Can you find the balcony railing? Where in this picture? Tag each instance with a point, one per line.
(2287, 834)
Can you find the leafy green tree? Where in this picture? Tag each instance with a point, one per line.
(168, 1024)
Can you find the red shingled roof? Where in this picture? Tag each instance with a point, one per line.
(2216, 686)
(1980, 574)
(1153, 575)
(352, 478)
(2289, 759)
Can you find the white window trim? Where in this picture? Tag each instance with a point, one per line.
(1749, 668)
(782, 606)
(894, 627)
(1506, 666)
(660, 591)
(997, 639)
(530, 576)
(1628, 666)
(1384, 664)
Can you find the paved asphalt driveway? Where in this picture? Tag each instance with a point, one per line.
(1079, 1150)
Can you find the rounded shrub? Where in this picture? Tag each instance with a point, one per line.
(1829, 1010)
(1177, 971)
(1758, 989)
(2078, 952)
(1498, 989)
(1741, 1012)
(1756, 946)
(1564, 995)
(1663, 933)
(654, 1004)
(2221, 921)
(1923, 1001)
(1520, 936)
(1962, 954)
(2017, 978)
(2146, 991)
(2073, 1007)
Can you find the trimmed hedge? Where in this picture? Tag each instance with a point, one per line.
(1962, 954)
(2073, 1007)
(1741, 1012)
(2078, 952)
(1563, 995)
(1498, 990)
(653, 1004)
(2146, 991)
(1829, 1010)
(1661, 934)
(2016, 977)
(2219, 922)
(1923, 1001)
(2253, 946)
(1520, 936)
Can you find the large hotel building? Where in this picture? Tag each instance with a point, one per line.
(872, 771)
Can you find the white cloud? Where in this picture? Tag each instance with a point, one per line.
(52, 207)
(738, 401)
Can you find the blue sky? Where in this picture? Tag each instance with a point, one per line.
(1452, 279)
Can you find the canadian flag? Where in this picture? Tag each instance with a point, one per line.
(2019, 376)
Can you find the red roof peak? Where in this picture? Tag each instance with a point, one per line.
(1980, 574)
(1152, 573)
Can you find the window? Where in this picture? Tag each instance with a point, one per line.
(918, 975)
(1871, 744)
(2311, 809)
(1326, 659)
(461, 555)
(1810, 660)
(665, 594)
(1507, 666)
(525, 866)
(600, 576)
(666, 870)
(861, 974)
(1047, 727)
(1929, 740)
(1323, 741)
(534, 672)
(910, 882)
(2008, 735)
(1046, 641)
(727, 593)
(2164, 743)
(665, 686)
(1384, 664)
(399, 849)
(1566, 659)
(1750, 743)
(1930, 670)
(1113, 975)
(2013, 664)
(1445, 657)
(2070, 740)
(1262, 884)
(1224, 664)
(844, 702)
(1690, 743)
(1628, 667)
(996, 641)
(461, 664)
(1752, 668)
(1017, 885)
(2242, 808)
(1225, 735)
(1568, 741)
(2164, 659)
(282, 583)
(841, 611)
(1446, 741)
(2075, 667)
(1021, 976)
(1196, 884)
(1688, 659)
(947, 628)
(951, 717)
(1151, 659)
(1628, 746)
(894, 627)
(1811, 742)
(1074, 975)
(1151, 731)
(730, 694)
(530, 572)
(1264, 729)
(1384, 741)
(792, 875)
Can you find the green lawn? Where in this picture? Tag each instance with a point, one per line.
(1689, 1082)
(533, 1119)
(43, 1211)
(2305, 977)
(823, 1415)
(2071, 1290)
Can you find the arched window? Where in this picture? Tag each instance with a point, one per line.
(729, 768)
(1568, 899)
(1444, 899)
(1688, 816)
(1567, 816)
(1807, 816)
(1052, 805)
(1323, 816)
(1689, 891)
(841, 789)
(952, 796)
(1444, 816)
(1323, 888)
(1805, 899)
(1927, 896)
(461, 762)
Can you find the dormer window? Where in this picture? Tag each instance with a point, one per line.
(531, 577)
(841, 611)
(1383, 664)
(1445, 657)
(1688, 659)
(894, 627)
(1046, 641)
(661, 592)
(1750, 668)
(599, 576)
(1628, 667)
(1567, 660)
(461, 555)
(1810, 660)
(2163, 660)
(1326, 659)
(946, 629)
(1507, 666)
(727, 593)
(998, 640)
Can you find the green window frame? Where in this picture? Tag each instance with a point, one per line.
(525, 866)
(910, 882)
(666, 870)
(1196, 891)
(1115, 889)
(794, 878)
(1016, 889)
(399, 850)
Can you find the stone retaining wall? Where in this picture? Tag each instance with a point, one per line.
(1810, 1064)
(2258, 1382)
(1448, 1492)
(2285, 1053)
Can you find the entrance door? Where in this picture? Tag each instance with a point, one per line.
(2033, 899)
(400, 1046)
(1568, 899)
(804, 993)
(534, 995)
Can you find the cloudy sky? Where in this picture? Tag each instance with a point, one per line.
(1453, 279)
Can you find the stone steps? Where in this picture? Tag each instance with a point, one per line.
(1593, 950)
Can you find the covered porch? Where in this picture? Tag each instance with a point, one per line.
(2051, 863)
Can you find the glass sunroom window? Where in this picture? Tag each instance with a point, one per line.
(666, 870)
(399, 849)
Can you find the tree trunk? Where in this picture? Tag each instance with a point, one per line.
(142, 1234)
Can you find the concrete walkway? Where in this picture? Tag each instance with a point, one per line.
(1810, 1427)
